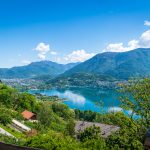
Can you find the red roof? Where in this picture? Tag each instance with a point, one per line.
(27, 114)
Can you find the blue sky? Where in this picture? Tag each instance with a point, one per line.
(70, 30)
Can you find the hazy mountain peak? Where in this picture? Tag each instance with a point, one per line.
(36, 69)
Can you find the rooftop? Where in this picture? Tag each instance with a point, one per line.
(27, 114)
(106, 130)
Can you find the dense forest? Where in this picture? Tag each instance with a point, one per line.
(55, 125)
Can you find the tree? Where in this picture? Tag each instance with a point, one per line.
(91, 138)
(136, 98)
(6, 115)
(92, 132)
(6, 95)
(95, 144)
(125, 139)
(53, 141)
(70, 127)
(62, 110)
(11, 98)
(5, 118)
(26, 101)
(45, 114)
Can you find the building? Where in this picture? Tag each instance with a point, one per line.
(106, 129)
(28, 115)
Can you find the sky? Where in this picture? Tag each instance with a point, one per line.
(67, 31)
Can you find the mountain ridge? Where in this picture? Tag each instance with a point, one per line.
(118, 65)
(35, 69)
(122, 65)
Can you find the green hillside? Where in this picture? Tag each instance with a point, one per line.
(121, 65)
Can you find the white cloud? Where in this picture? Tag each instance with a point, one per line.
(116, 47)
(53, 53)
(78, 56)
(147, 23)
(25, 62)
(42, 56)
(42, 50)
(133, 44)
(119, 47)
(74, 56)
(142, 42)
(145, 39)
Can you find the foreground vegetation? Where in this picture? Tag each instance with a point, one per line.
(56, 122)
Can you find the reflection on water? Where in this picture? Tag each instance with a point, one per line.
(75, 98)
(86, 98)
(115, 109)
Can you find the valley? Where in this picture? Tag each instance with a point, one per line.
(75, 75)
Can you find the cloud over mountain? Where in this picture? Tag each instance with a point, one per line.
(74, 56)
(78, 56)
(142, 42)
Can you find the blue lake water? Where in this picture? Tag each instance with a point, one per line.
(97, 100)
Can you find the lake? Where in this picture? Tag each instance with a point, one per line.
(98, 100)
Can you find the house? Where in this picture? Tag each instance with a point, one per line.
(28, 115)
(106, 129)
(147, 140)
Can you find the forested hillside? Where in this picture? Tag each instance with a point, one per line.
(55, 125)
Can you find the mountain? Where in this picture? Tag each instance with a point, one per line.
(119, 65)
(108, 65)
(105, 69)
(35, 69)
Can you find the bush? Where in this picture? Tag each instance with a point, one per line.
(62, 110)
(53, 141)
